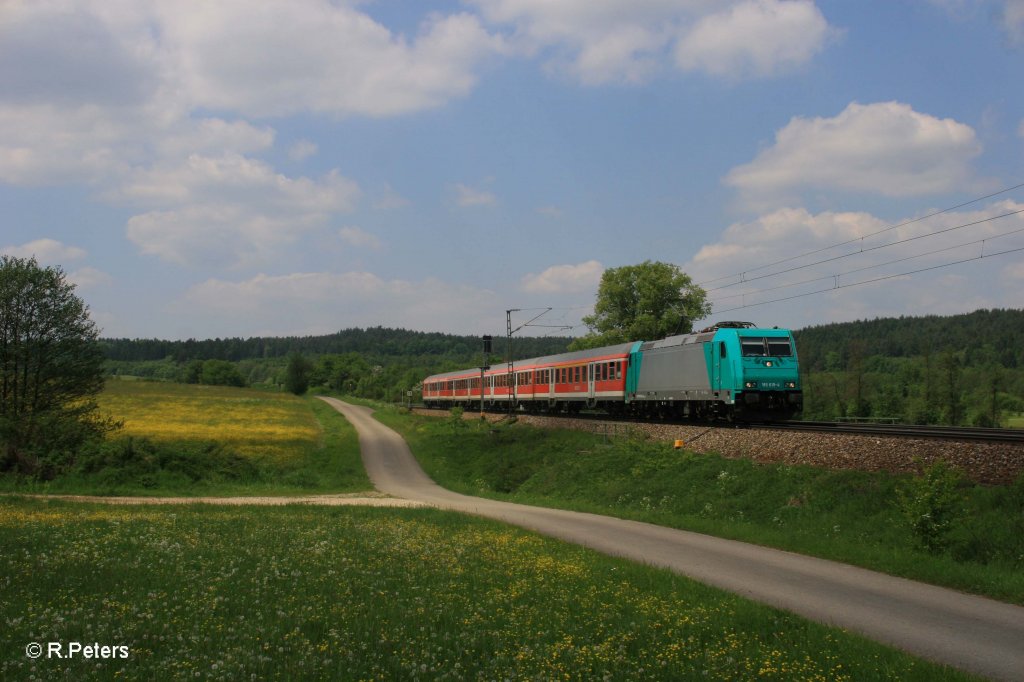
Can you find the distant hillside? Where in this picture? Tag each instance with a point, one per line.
(959, 369)
(374, 342)
(983, 337)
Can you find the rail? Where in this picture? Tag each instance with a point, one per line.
(962, 433)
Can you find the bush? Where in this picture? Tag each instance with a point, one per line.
(220, 373)
(455, 418)
(933, 505)
(143, 461)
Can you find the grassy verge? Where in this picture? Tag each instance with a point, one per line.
(847, 516)
(328, 593)
(183, 439)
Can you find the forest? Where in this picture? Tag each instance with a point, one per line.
(960, 369)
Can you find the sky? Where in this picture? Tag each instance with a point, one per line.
(295, 167)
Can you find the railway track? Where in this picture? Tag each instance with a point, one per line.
(961, 433)
(956, 433)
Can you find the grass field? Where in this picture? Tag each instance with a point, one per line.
(848, 516)
(206, 440)
(274, 427)
(348, 594)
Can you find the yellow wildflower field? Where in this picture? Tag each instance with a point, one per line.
(274, 427)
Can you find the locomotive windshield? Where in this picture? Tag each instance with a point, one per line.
(759, 346)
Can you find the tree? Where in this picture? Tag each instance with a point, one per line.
(643, 302)
(220, 373)
(52, 369)
(296, 378)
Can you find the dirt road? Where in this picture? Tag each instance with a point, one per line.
(972, 633)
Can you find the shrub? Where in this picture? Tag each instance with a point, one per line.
(933, 505)
(144, 461)
(455, 418)
(220, 373)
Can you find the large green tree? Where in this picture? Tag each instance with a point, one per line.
(51, 366)
(648, 301)
(296, 376)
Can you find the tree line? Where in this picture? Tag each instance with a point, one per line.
(372, 341)
(378, 362)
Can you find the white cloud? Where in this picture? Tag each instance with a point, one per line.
(228, 210)
(210, 236)
(1013, 19)
(885, 148)
(117, 94)
(581, 278)
(1010, 13)
(213, 136)
(46, 251)
(303, 149)
(389, 200)
(470, 196)
(611, 41)
(359, 238)
(321, 302)
(47, 144)
(236, 177)
(1014, 272)
(90, 278)
(812, 259)
(52, 252)
(66, 53)
(279, 57)
(755, 38)
(94, 88)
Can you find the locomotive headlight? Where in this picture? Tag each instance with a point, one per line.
(790, 384)
(751, 384)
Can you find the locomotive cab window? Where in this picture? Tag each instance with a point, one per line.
(760, 346)
(753, 347)
(779, 347)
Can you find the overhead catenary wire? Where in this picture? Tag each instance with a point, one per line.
(875, 266)
(870, 281)
(862, 250)
(788, 259)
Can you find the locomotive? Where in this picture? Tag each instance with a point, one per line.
(731, 370)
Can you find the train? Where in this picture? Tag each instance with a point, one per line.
(730, 370)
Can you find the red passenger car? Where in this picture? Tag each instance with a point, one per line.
(564, 382)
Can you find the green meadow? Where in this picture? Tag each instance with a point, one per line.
(849, 516)
(247, 593)
(189, 439)
(327, 593)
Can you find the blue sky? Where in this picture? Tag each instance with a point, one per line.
(288, 167)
